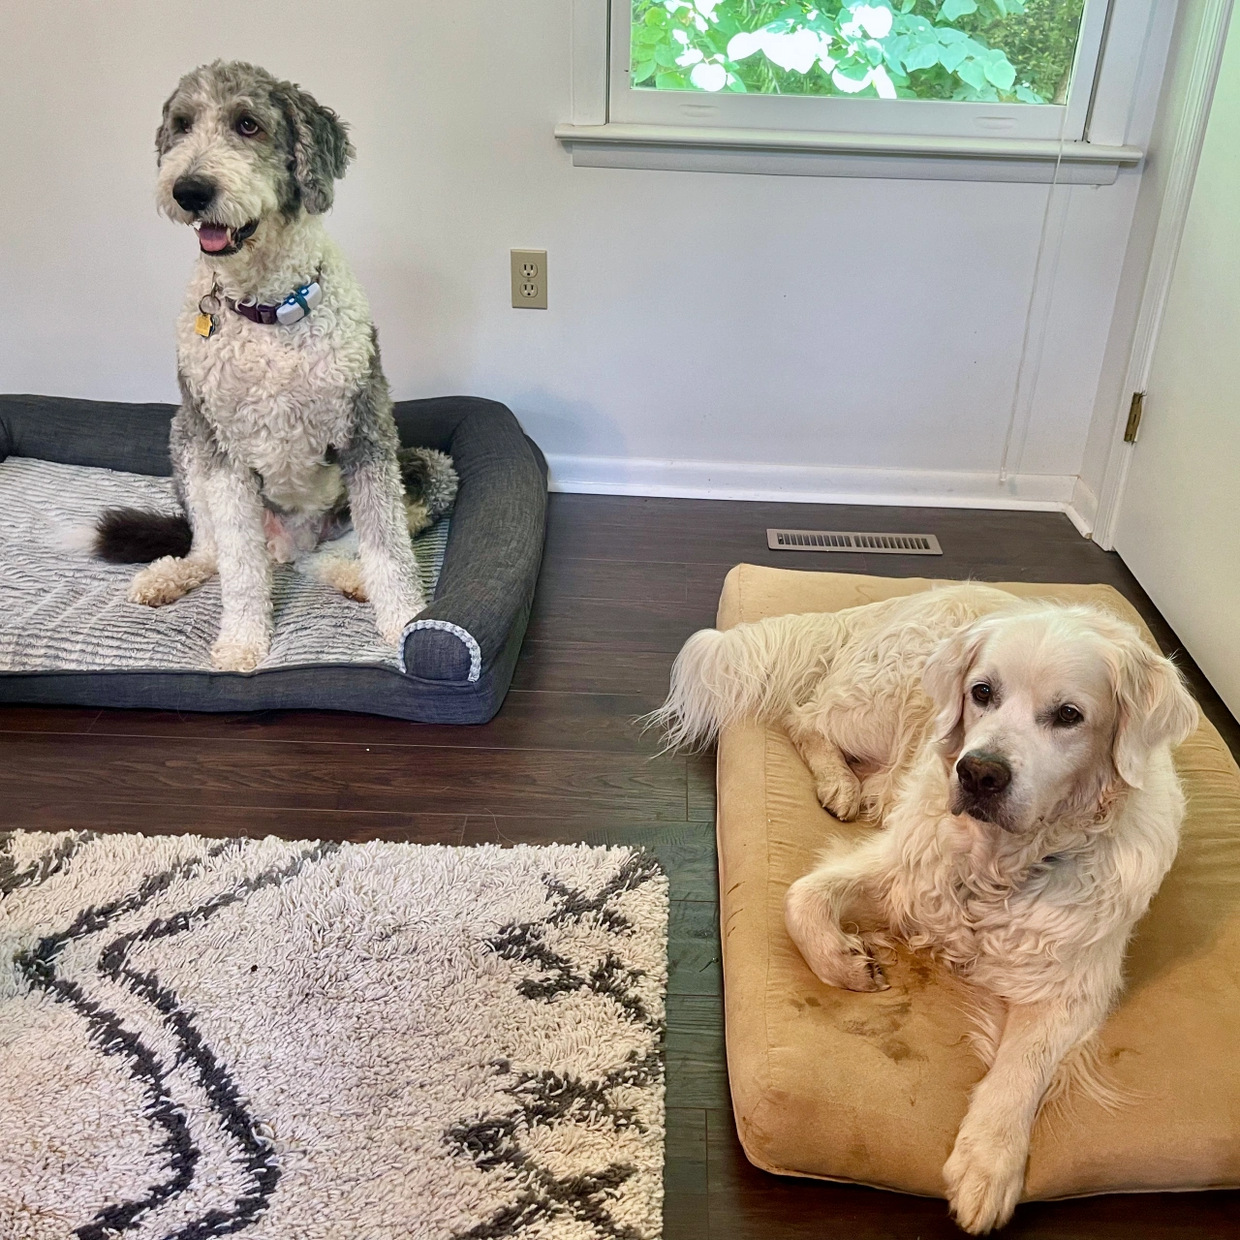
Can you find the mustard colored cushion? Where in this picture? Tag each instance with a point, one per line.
(871, 1088)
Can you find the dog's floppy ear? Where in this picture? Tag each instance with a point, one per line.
(164, 135)
(1154, 707)
(319, 147)
(943, 680)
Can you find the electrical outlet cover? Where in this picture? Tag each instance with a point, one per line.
(529, 279)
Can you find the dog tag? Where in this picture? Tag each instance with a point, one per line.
(204, 325)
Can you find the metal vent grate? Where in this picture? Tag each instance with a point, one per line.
(838, 540)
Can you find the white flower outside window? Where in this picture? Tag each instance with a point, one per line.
(796, 51)
(876, 21)
(876, 77)
(709, 76)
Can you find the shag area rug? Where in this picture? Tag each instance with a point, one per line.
(317, 1041)
(62, 610)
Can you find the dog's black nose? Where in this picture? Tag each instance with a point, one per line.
(193, 193)
(983, 774)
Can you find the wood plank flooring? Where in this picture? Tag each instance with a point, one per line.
(624, 582)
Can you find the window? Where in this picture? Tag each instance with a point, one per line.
(1020, 68)
(983, 90)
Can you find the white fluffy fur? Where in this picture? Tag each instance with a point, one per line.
(1032, 897)
(281, 395)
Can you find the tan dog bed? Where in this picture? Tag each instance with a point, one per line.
(872, 1087)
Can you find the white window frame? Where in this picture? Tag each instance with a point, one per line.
(937, 118)
(1104, 122)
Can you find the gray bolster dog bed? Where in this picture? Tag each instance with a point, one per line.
(67, 635)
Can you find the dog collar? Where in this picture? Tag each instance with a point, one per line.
(291, 310)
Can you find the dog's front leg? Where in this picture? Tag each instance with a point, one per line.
(823, 912)
(244, 566)
(986, 1170)
(377, 504)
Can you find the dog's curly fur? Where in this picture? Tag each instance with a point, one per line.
(273, 419)
(1018, 758)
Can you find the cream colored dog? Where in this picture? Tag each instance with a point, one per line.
(1018, 757)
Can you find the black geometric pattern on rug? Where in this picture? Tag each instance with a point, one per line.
(545, 1098)
(107, 1031)
(52, 862)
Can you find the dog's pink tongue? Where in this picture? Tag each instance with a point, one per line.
(213, 237)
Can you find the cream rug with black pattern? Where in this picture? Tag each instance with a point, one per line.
(315, 1041)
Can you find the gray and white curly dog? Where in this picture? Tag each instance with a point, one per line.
(285, 431)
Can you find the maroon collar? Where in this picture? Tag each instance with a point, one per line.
(295, 305)
(253, 311)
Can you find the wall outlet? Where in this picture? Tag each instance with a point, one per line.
(529, 279)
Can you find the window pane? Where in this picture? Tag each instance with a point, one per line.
(993, 51)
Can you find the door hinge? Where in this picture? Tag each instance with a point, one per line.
(1134, 417)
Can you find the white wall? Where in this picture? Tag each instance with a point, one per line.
(858, 337)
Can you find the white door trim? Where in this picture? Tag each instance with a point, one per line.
(1182, 153)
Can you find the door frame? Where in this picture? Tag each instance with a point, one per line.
(1184, 132)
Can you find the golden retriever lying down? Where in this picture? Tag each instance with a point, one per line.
(1018, 758)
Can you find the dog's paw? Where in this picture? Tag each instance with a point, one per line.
(839, 959)
(851, 967)
(861, 971)
(231, 655)
(392, 624)
(840, 796)
(984, 1179)
(281, 550)
(343, 575)
(391, 632)
(161, 582)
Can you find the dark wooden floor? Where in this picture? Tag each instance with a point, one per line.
(624, 582)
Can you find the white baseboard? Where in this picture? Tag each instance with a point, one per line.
(1082, 508)
(818, 484)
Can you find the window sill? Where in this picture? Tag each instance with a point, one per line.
(787, 153)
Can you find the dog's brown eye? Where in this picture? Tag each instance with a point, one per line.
(981, 694)
(1068, 716)
(247, 127)
(182, 124)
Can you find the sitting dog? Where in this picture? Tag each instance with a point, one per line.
(1018, 759)
(284, 407)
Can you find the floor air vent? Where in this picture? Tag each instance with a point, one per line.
(837, 540)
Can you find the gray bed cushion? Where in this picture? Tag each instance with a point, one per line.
(457, 659)
(63, 610)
